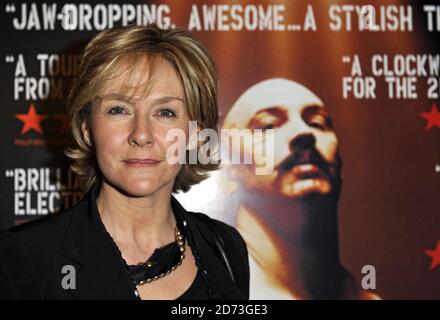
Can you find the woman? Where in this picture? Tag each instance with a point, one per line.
(129, 238)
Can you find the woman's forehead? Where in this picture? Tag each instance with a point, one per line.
(139, 77)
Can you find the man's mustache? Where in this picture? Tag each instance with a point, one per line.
(307, 156)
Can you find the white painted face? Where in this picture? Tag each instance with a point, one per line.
(135, 126)
(306, 147)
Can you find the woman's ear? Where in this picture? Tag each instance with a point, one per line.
(86, 133)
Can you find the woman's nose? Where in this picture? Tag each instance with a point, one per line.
(141, 133)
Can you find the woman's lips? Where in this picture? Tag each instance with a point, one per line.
(141, 162)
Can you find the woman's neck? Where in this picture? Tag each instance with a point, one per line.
(138, 225)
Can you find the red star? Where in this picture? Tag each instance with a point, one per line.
(31, 120)
(64, 122)
(435, 255)
(433, 117)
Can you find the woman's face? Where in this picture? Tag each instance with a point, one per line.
(135, 126)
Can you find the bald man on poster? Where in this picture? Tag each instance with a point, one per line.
(289, 218)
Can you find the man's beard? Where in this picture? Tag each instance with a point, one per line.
(312, 212)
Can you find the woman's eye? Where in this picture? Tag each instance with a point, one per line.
(167, 113)
(116, 110)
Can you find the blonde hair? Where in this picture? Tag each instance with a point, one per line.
(126, 46)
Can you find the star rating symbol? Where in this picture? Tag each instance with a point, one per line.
(435, 255)
(31, 120)
(432, 117)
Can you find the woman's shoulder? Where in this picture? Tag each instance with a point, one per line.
(38, 237)
(29, 253)
(228, 236)
(206, 223)
(232, 243)
(45, 232)
(38, 227)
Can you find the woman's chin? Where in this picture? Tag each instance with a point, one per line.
(140, 188)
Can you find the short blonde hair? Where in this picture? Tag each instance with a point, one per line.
(112, 49)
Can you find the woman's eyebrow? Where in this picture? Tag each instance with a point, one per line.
(129, 99)
(167, 99)
(117, 96)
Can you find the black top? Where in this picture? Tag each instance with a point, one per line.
(34, 257)
(197, 290)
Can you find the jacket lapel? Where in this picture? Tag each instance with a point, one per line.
(217, 274)
(100, 270)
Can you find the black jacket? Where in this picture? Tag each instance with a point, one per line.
(32, 257)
